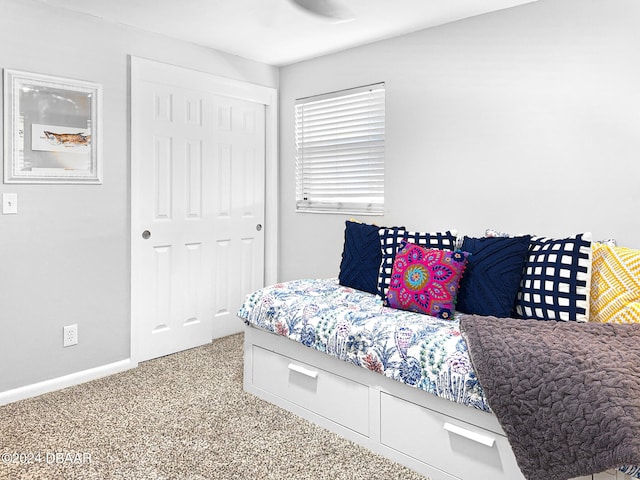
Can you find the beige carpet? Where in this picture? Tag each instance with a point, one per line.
(184, 416)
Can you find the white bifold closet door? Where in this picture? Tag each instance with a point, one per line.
(198, 169)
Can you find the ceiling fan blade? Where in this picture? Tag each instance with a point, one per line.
(326, 8)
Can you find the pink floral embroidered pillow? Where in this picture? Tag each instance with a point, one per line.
(426, 280)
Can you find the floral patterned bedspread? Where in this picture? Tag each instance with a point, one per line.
(421, 351)
(418, 350)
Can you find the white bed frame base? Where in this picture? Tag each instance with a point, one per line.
(451, 442)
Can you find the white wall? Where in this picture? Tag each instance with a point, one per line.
(525, 120)
(64, 258)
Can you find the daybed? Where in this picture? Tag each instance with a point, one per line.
(360, 363)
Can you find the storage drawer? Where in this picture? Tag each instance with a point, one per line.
(336, 398)
(457, 447)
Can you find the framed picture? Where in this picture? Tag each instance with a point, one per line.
(51, 129)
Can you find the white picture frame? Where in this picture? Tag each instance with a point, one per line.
(52, 129)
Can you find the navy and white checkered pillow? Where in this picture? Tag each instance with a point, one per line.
(556, 279)
(391, 241)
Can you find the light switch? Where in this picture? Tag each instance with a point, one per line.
(9, 203)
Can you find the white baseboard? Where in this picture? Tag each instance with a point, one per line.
(65, 381)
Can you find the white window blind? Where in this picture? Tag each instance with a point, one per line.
(340, 151)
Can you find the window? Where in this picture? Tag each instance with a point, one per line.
(340, 152)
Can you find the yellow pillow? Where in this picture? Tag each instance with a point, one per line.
(615, 284)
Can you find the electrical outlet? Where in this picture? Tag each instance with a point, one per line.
(70, 335)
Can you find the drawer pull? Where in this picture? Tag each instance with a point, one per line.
(463, 432)
(303, 371)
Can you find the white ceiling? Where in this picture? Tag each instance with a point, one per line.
(278, 32)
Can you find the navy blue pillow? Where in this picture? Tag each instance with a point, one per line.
(490, 282)
(556, 279)
(361, 257)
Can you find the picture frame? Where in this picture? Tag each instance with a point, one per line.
(52, 129)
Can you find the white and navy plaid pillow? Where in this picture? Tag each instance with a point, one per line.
(391, 241)
(556, 279)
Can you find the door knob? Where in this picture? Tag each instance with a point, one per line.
(259, 227)
(146, 234)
